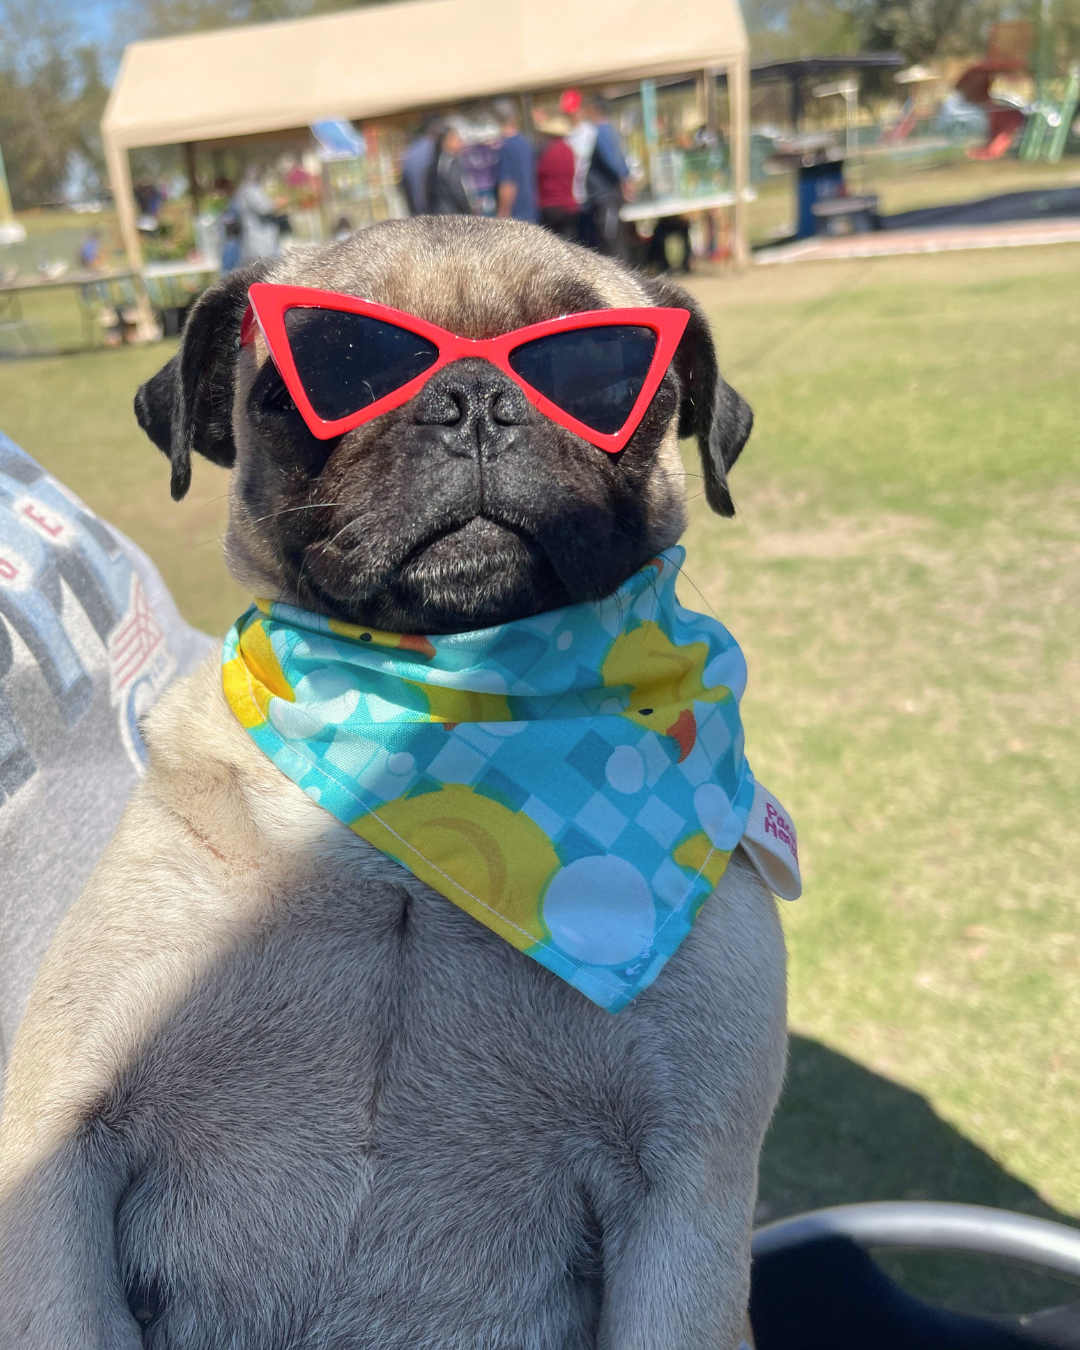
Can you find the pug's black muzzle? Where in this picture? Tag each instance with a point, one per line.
(472, 410)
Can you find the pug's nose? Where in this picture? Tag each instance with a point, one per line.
(477, 408)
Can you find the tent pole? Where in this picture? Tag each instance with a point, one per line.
(11, 232)
(739, 113)
(116, 159)
(712, 122)
(193, 182)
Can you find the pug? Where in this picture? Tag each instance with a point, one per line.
(274, 1092)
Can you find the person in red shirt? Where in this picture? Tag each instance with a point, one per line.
(555, 182)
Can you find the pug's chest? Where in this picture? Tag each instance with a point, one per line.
(376, 1068)
(366, 998)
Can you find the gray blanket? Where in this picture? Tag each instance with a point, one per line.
(89, 638)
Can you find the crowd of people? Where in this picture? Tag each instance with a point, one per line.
(573, 183)
(572, 177)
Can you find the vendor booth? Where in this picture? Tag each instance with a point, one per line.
(376, 64)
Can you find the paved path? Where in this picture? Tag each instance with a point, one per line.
(1041, 204)
(937, 239)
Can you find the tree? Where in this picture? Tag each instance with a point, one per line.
(780, 29)
(918, 29)
(51, 98)
(923, 29)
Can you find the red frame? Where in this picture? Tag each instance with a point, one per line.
(269, 303)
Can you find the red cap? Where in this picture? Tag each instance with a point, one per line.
(570, 101)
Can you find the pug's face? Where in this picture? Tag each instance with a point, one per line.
(465, 506)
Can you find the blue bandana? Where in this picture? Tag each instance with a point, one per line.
(575, 781)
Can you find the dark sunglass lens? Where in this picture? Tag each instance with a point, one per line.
(594, 374)
(348, 361)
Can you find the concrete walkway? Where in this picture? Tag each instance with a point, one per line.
(936, 239)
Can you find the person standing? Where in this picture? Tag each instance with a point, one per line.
(606, 182)
(478, 162)
(515, 172)
(232, 240)
(416, 167)
(149, 198)
(90, 250)
(446, 187)
(581, 139)
(260, 223)
(559, 208)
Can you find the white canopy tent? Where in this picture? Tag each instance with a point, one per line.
(415, 54)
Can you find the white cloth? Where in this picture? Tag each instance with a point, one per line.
(771, 844)
(261, 238)
(582, 140)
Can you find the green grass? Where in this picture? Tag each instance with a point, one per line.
(74, 414)
(53, 319)
(46, 321)
(903, 574)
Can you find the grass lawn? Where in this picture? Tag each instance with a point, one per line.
(903, 574)
(53, 318)
(74, 414)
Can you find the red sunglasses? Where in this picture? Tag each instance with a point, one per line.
(345, 360)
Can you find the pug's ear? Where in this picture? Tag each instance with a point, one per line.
(710, 409)
(187, 405)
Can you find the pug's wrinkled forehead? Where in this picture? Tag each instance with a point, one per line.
(475, 278)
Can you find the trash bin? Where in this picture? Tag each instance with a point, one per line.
(818, 164)
(817, 182)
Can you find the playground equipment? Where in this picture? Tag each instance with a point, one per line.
(1066, 113)
(911, 78)
(1008, 52)
(1048, 126)
(1004, 117)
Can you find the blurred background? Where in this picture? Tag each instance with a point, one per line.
(878, 203)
